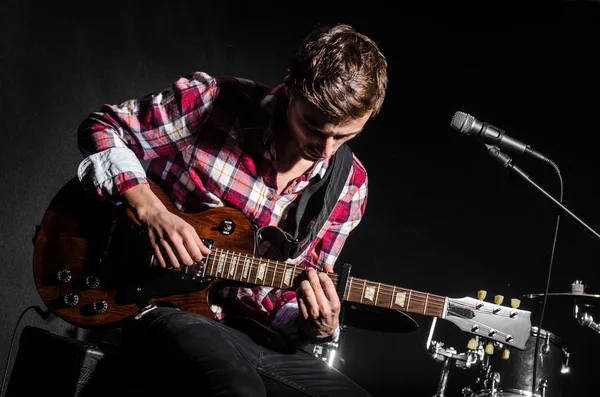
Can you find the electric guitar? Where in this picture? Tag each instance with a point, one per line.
(92, 268)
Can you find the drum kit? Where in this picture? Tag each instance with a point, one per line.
(537, 371)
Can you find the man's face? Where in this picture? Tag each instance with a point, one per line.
(315, 137)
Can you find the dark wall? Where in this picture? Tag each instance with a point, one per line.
(442, 218)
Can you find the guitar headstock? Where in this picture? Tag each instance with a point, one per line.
(508, 325)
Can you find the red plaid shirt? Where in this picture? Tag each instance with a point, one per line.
(209, 143)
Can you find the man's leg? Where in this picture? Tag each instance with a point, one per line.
(186, 354)
(304, 372)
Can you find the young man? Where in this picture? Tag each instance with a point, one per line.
(220, 141)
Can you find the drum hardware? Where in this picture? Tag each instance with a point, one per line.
(585, 319)
(499, 378)
(576, 295)
(478, 348)
(579, 299)
(449, 358)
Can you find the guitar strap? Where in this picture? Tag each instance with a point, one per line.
(313, 209)
(317, 201)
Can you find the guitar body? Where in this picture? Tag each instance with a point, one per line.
(92, 260)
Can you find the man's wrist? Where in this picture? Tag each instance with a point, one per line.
(334, 337)
(143, 201)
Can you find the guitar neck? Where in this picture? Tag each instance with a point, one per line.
(261, 271)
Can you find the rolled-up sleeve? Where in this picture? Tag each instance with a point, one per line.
(114, 139)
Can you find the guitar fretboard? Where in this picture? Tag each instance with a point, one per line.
(261, 271)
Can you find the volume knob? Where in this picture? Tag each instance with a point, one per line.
(92, 281)
(64, 275)
(71, 300)
(100, 306)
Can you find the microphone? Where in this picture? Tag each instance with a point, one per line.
(487, 133)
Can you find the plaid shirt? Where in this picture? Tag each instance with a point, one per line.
(210, 143)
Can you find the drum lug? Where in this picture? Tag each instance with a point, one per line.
(543, 388)
(546, 347)
(495, 380)
(565, 366)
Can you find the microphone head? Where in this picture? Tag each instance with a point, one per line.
(462, 122)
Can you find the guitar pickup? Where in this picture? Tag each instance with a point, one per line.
(198, 270)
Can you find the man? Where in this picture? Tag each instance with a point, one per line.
(220, 141)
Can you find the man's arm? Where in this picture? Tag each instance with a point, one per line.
(175, 242)
(114, 139)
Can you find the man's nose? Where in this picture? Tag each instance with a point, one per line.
(329, 147)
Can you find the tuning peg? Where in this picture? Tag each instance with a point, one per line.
(472, 345)
(514, 303)
(505, 354)
(489, 348)
(481, 294)
(498, 299)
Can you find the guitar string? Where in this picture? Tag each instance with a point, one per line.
(385, 291)
(281, 267)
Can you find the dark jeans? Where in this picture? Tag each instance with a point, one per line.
(186, 354)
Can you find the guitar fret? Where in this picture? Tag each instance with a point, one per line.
(237, 262)
(220, 265)
(377, 293)
(425, 306)
(294, 273)
(369, 292)
(409, 296)
(349, 287)
(400, 299)
(232, 266)
(274, 272)
(286, 276)
(260, 272)
(363, 290)
(210, 272)
(393, 295)
(245, 268)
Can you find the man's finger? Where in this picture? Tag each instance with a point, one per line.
(310, 300)
(328, 288)
(301, 304)
(158, 257)
(203, 248)
(192, 247)
(315, 282)
(168, 254)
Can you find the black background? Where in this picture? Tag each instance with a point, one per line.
(442, 217)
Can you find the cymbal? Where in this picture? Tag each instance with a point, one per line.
(377, 319)
(585, 298)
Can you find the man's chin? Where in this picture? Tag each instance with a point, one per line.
(312, 157)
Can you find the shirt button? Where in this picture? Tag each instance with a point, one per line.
(270, 197)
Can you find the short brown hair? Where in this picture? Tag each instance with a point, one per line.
(340, 71)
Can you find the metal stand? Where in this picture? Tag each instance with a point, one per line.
(449, 358)
(583, 318)
(507, 162)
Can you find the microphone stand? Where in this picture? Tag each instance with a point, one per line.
(507, 162)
